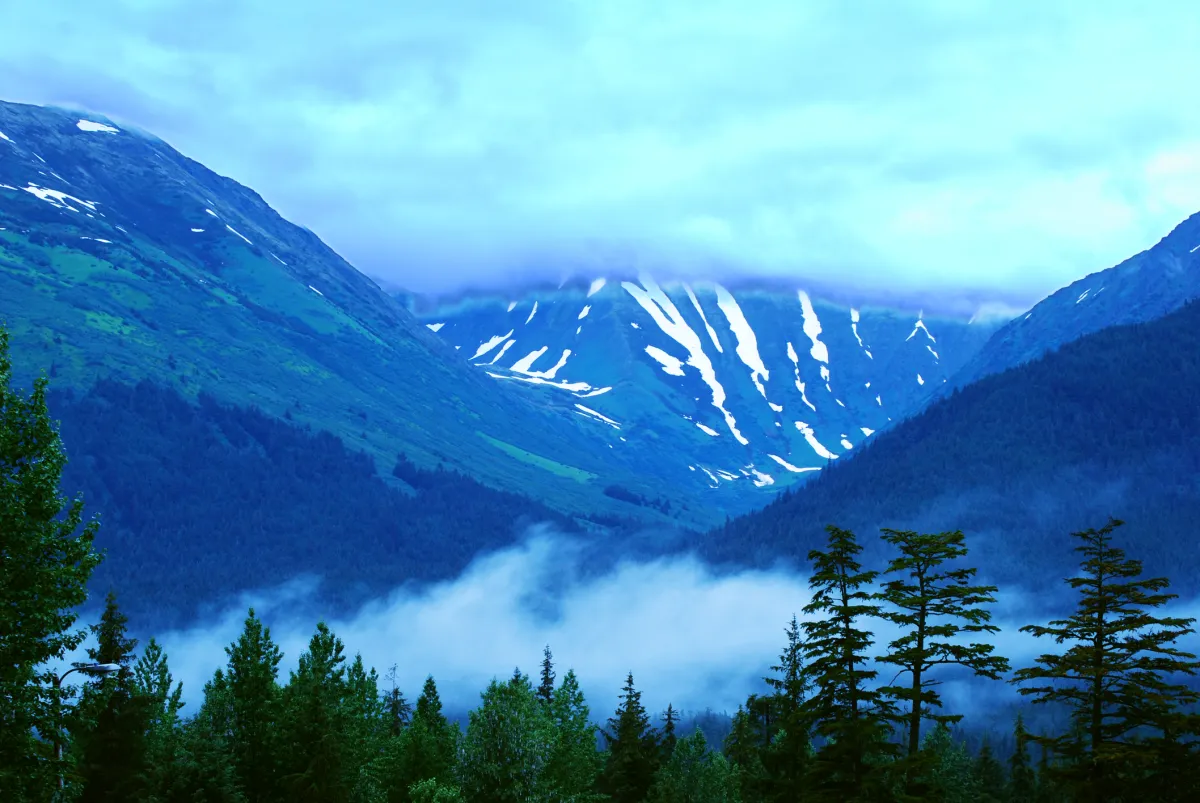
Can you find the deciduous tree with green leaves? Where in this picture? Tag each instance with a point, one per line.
(854, 718)
(694, 773)
(46, 559)
(1115, 674)
(934, 604)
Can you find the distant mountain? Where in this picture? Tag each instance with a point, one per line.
(1142, 288)
(1105, 425)
(745, 386)
(120, 258)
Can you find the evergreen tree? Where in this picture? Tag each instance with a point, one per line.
(434, 791)
(366, 727)
(152, 683)
(694, 774)
(633, 753)
(546, 689)
(574, 762)
(789, 743)
(112, 718)
(253, 700)
(426, 749)
(1022, 780)
(398, 711)
(989, 775)
(1114, 675)
(508, 746)
(949, 775)
(670, 717)
(744, 749)
(206, 771)
(854, 719)
(45, 562)
(315, 723)
(934, 606)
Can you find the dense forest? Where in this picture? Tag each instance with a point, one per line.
(180, 487)
(1105, 424)
(827, 725)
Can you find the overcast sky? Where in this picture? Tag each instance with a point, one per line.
(1008, 147)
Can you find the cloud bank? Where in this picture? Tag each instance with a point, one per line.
(1008, 147)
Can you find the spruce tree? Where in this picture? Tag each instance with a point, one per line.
(574, 763)
(789, 743)
(427, 748)
(670, 717)
(744, 749)
(853, 718)
(989, 775)
(253, 700)
(398, 711)
(546, 689)
(316, 760)
(46, 559)
(152, 683)
(1113, 676)
(632, 756)
(1022, 779)
(934, 605)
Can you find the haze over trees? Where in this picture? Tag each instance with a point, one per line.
(824, 727)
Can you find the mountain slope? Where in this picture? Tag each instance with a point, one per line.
(752, 386)
(121, 258)
(1144, 287)
(1105, 425)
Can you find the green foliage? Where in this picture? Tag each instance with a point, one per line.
(574, 762)
(315, 723)
(46, 558)
(694, 774)
(948, 773)
(250, 711)
(854, 719)
(633, 753)
(1115, 675)
(934, 605)
(508, 746)
(1022, 778)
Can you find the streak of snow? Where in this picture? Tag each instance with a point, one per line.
(88, 125)
(920, 325)
(523, 365)
(795, 358)
(789, 466)
(747, 343)
(40, 159)
(1194, 250)
(583, 313)
(595, 392)
(652, 299)
(1083, 295)
(711, 476)
(812, 328)
(1027, 316)
(816, 445)
(840, 402)
(315, 290)
(776, 407)
(725, 475)
(934, 353)
(597, 286)
(57, 198)
(712, 333)
(4, 137)
(762, 479)
(635, 326)
(920, 381)
(603, 418)
(532, 312)
(197, 231)
(670, 364)
(500, 352)
(549, 374)
(435, 327)
(277, 259)
(708, 430)
(214, 214)
(574, 387)
(867, 431)
(487, 346)
(846, 444)
(512, 305)
(239, 234)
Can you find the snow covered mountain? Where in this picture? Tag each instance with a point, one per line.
(746, 386)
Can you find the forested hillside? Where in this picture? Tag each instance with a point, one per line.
(199, 502)
(1107, 423)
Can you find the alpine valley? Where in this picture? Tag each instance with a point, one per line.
(233, 364)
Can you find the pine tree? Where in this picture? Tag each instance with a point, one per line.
(315, 723)
(1113, 676)
(427, 748)
(365, 727)
(1022, 780)
(934, 606)
(253, 701)
(546, 689)
(112, 718)
(949, 775)
(398, 710)
(633, 753)
(744, 749)
(45, 562)
(695, 774)
(989, 775)
(152, 683)
(854, 719)
(789, 742)
(670, 717)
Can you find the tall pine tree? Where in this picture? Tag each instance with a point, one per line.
(633, 753)
(253, 699)
(316, 764)
(1114, 675)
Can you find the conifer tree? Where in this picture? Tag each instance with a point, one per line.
(427, 748)
(633, 754)
(744, 749)
(316, 761)
(152, 683)
(853, 718)
(934, 605)
(789, 743)
(46, 559)
(398, 710)
(365, 727)
(111, 720)
(546, 689)
(1113, 676)
(949, 772)
(670, 717)
(989, 775)
(1022, 780)
(250, 687)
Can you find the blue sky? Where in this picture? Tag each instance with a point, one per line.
(1005, 148)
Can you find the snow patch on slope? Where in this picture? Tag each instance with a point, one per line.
(487, 346)
(435, 327)
(795, 358)
(532, 312)
(747, 343)
(712, 333)
(670, 364)
(88, 125)
(596, 287)
(812, 328)
(811, 437)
